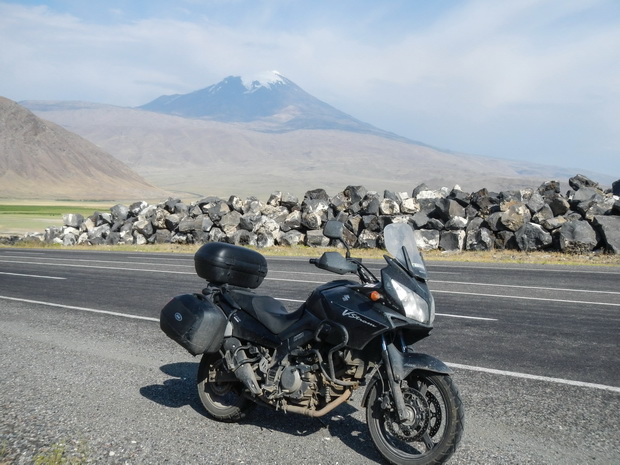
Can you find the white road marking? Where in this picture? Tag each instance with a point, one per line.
(453, 365)
(514, 286)
(31, 275)
(526, 298)
(535, 377)
(83, 309)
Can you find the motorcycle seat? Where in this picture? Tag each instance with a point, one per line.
(269, 311)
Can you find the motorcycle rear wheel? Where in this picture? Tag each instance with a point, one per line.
(223, 401)
(434, 428)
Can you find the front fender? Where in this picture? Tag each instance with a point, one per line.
(414, 361)
(403, 364)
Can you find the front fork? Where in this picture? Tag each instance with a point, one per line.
(394, 380)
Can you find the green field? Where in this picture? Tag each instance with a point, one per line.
(25, 218)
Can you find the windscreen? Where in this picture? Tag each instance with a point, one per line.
(400, 240)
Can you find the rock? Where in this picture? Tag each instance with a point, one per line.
(577, 237)
(143, 227)
(419, 220)
(162, 236)
(389, 207)
(579, 181)
(289, 201)
(536, 203)
(187, 225)
(545, 213)
(479, 239)
(452, 241)
(172, 221)
(515, 217)
(136, 207)
(292, 221)
(615, 188)
(427, 239)
(609, 228)
(558, 204)
(235, 203)
(315, 238)
(446, 209)
(243, 237)
(372, 223)
(549, 188)
(368, 239)
(274, 199)
(456, 223)
(119, 212)
(409, 205)
(252, 205)
(311, 220)
(553, 223)
(485, 202)
(459, 196)
(532, 236)
(292, 238)
(217, 235)
(371, 204)
(229, 222)
(505, 240)
(73, 220)
(355, 193)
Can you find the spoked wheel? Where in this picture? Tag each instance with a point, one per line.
(223, 401)
(433, 427)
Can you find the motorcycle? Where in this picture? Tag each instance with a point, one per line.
(346, 335)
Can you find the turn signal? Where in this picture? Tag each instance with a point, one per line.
(374, 296)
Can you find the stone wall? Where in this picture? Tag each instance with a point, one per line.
(582, 219)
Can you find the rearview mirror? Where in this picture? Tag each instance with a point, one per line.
(333, 229)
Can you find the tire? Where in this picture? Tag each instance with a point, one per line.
(223, 401)
(434, 430)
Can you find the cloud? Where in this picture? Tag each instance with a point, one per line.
(453, 76)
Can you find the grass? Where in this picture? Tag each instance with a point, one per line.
(59, 454)
(21, 218)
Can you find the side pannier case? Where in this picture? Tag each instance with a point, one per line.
(194, 322)
(222, 263)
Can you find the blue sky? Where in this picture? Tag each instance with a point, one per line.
(535, 80)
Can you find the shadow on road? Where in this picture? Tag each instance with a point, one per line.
(180, 390)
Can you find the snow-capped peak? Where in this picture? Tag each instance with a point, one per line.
(265, 79)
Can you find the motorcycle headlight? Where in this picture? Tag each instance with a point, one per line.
(415, 307)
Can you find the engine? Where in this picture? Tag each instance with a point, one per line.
(304, 377)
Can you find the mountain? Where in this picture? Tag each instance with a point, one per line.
(255, 136)
(41, 160)
(271, 102)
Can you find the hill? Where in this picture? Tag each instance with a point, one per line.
(254, 136)
(41, 160)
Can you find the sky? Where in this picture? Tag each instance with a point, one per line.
(529, 80)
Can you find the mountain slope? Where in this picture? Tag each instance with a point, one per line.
(195, 157)
(39, 159)
(271, 103)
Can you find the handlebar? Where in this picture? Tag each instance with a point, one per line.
(314, 261)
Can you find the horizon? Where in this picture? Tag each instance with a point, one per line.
(531, 81)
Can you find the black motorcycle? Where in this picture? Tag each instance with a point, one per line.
(347, 334)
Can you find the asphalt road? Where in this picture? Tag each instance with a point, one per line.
(535, 351)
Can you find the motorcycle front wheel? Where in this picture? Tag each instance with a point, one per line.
(433, 429)
(224, 401)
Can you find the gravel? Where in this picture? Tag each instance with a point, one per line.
(126, 393)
